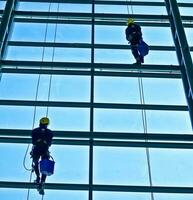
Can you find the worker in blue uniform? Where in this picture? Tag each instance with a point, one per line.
(41, 140)
(134, 36)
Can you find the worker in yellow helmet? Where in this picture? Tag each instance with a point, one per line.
(134, 36)
(41, 140)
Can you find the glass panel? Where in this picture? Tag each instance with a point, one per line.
(189, 32)
(33, 32)
(164, 91)
(70, 88)
(163, 36)
(13, 117)
(72, 164)
(18, 86)
(13, 154)
(121, 196)
(116, 90)
(72, 55)
(116, 120)
(186, 11)
(79, 8)
(2, 4)
(18, 194)
(173, 196)
(60, 54)
(32, 6)
(104, 35)
(120, 166)
(24, 53)
(168, 122)
(171, 167)
(125, 57)
(130, 9)
(73, 33)
(69, 119)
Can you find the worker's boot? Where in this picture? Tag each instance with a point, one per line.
(142, 59)
(41, 188)
(138, 61)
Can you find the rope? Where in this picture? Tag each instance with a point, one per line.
(144, 116)
(35, 108)
(28, 191)
(53, 55)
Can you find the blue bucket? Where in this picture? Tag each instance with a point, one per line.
(47, 167)
(143, 48)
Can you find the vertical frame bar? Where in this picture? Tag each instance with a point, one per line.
(91, 105)
(182, 51)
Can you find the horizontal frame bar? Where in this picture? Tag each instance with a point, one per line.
(96, 22)
(100, 2)
(95, 105)
(84, 45)
(88, 73)
(104, 135)
(76, 65)
(110, 188)
(142, 144)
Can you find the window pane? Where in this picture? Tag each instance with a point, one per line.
(118, 120)
(116, 90)
(168, 122)
(164, 91)
(18, 86)
(71, 164)
(9, 153)
(70, 88)
(18, 194)
(172, 167)
(69, 119)
(121, 196)
(13, 117)
(120, 166)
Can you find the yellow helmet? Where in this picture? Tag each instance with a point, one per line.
(44, 121)
(130, 21)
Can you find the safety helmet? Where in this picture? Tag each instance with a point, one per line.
(44, 121)
(130, 21)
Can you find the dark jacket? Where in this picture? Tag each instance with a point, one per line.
(133, 34)
(42, 136)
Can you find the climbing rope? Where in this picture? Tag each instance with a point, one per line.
(53, 55)
(143, 114)
(35, 107)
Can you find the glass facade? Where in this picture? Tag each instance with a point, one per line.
(121, 131)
